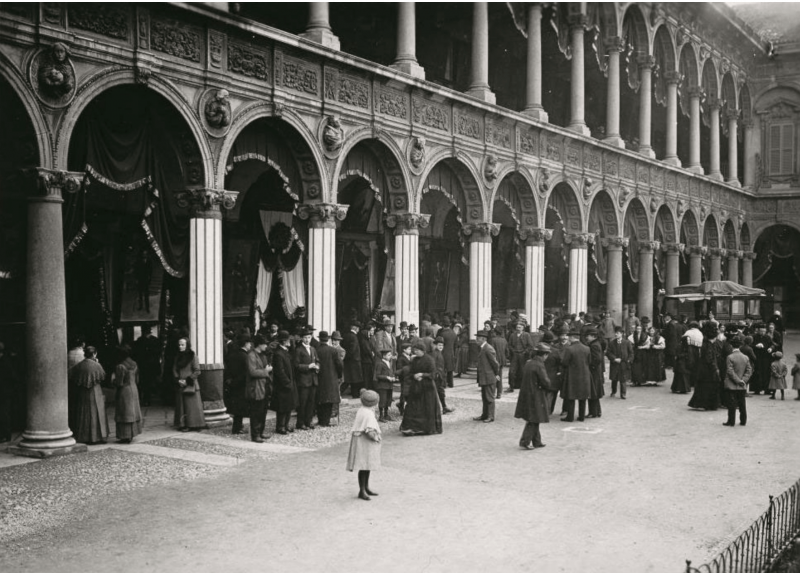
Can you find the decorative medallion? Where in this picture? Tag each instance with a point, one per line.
(416, 153)
(215, 111)
(52, 76)
(331, 135)
(490, 169)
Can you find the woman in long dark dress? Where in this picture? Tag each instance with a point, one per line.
(91, 420)
(654, 362)
(462, 351)
(681, 373)
(423, 412)
(706, 373)
(641, 345)
(128, 414)
(188, 403)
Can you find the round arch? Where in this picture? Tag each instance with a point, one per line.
(11, 75)
(729, 236)
(711, 232)
(636, 221)
(664, 49)
(634, 30)
(516, 192)
(563, 200)
(688, 65)
(710, 79)
(665, 229)
(449, 172)
(690, 229)
(603, 216)
(106, 80)
(744, 238)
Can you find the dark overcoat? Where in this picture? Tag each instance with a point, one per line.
(305, 377)
(577, 377)
(330, 370)
(236, 372)
(597, 368)
(258, 385)
(284, 396)
(126, 379)
(552, 364)
(622, 349)
(533, 404)
(382, 374)
(352, 360)
(448, 352)
(488, 366)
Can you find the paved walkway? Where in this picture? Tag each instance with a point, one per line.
(645, 487)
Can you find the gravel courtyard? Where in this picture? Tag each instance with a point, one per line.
(645, 487)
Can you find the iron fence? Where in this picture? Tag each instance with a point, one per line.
(755, 550)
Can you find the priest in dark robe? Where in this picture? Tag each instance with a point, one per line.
(91, 419)
(423, 412)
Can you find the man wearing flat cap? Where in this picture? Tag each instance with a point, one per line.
(533, 403)
(353, 374)
(488, 374)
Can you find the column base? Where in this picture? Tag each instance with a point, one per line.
(698, 169)
(674, 161)
(483, 94)
(409, 67)
(322, 36)
(734, 182)
(716, 176)
(615, 140)
(580, 128)
(537, 113)
(36, 451)
(647, 151)
(216, 414)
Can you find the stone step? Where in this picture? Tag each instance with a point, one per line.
(241, 444)
(177, 454)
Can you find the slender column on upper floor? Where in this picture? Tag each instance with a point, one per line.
(578, 270)
(733, 265)
(577, 89)
(613, 48)
(319, 29)
(47, 430)
(480, 273)
(646, 65)
(747, 268)
(673, 80)
(322, 218)
(672, 252)
(732, 117)
(406, 59)
(645, 299)
(713, 142)
(715, 264)
(749, 155)
(406, 255)
(533, 92)
(205, 293)
(534, 274)
(479, 88)
(696, 264)
(695, 93)
(614, 246)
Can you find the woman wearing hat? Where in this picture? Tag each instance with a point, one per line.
(423, 413)
(706, 394)
(778, 372)
(188, 404)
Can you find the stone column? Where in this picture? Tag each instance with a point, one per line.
(406, 256)
(533, 92)
(673, 79)
(534, 273)
(695, 93)
(319, 29)
(577, 97)
(613, 48)
(747, 268)
(47, 431)
(646, 65)
(715, 266)
(205, 293)
(645, 300)
(480, 273)
(672, 252)
(479, 88)
(578, 270)
(614, 246)
(322, 218)
(733, 265)
(696, 264)
(406, 60)
(732, 117)
(749, 155)
(713, 120)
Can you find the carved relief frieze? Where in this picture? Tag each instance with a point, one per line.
(683, 185)
(789, 207)
(296, 74)
(765, 206)
(611, 165)
(498, 133)
(430, 114)
(352, 91)
(52, 13)
(627, 168)
(176, 39)
(467, 125)
(391, 103)
(249, 62)
(104, 19)
(573, 155)
(216, 46)
(694, 188)
(592, 159)
(656, 178)
(671, 182)
(643, 174)
(551, 147)
(143, 29)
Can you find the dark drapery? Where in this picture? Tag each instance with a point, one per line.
(778, 242)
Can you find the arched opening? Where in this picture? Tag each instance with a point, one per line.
(603, 224)
(729, 103)
(710, 240)
(664, 53)
(746, 119)
(776, 269)
(729, 242)
(688, 69)
(634, 33)
(637, 228)
(665, 233)
(710, 86)
(690, 238)
(127, 234)
(563, 216)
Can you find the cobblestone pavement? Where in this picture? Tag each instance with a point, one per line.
(648, 485)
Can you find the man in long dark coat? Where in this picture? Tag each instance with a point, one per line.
(500, 345)
(306, 367)
(258, 388)
(439, 376)
(353, 374)
(367, 355)
(577, 381)
(449, 350)
(671, 341)
(533, 403)
(552, 365)
(519, 349)
(422, 414)
(236, 375)
(620, 357)
(330, 370)
(284, 397)
(762, 346)
(488, 373)
(597, 367)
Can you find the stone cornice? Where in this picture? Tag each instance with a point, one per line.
(407, 223)
(322, 215)
(205, 203)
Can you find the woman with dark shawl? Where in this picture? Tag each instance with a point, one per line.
(91, 420)
(641, 346)
(423, 412)
(188, 403)
(654, 361)
(706, 374)
(128, 415)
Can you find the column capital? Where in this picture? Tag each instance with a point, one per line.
(732, 254)
(407, 223)
(579, 240)
(615, 243)
(696, 92)
(748, 124)
(748, 255)
(673, 77)
(732, 114)
(649, 246)
(614, 44)
(50, 184)
(481, 232)
(533, 237)
(673, 247)
(646, 62)
(716, 253)
(578, 21)
(322, 215)
(205, 203)
(713, 103)
(696, 251)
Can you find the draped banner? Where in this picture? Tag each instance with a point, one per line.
(778, 242)
(281, 251)
(293, 290)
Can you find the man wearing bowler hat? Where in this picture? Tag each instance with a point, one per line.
(353, 374)
(488, 375)
(284, 397)
(306, 364)
(577, 376)
(330, 372)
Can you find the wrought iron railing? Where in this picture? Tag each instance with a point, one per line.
(755, 550)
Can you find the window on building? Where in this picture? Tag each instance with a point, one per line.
(781, 148)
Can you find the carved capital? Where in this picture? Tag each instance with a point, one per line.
(578, 21)
(322, 215)
(615, 44)
(696, 91)
(407, 223)
(696, 251)
(579, 240)
(673, 77)
(481, 232)
(732, 114)
(646, 62)
(615, 243)
(649, 246)
(748, 124)
(50, 184)
(749, 255)
(206, 203)
(673, 247)
(533, 237)
(716, 253)
(735, 254)
(713, 103)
